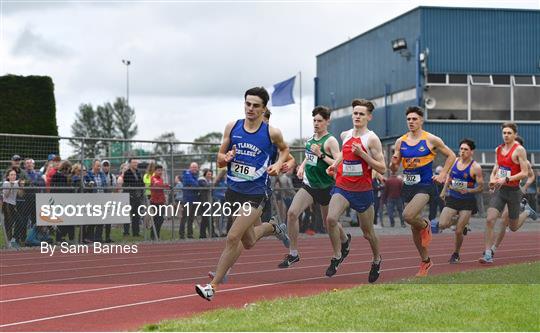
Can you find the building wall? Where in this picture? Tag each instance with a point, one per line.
(481, 41)
(361, 66)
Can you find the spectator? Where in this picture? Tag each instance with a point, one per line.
(52, 170)
(205, 198)
(120, 178)
(178, 195)
(392, 197)
(219, 196)
(10, 190)
(158, 198)
(437, 204)
(38, 235)
(61, 180)
(134, 185)
(378, 186)
(286, 192)
(22, 219)
(95, 182)
(147, 179)
(34, 180)
(110, 186)
(190, 179)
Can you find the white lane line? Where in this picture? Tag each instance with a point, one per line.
(442, 246)
(221, 291)
(231, 274)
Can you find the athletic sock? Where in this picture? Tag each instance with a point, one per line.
(427, 260)
(493, 248)
(378, 261)
(293, 253)
(337, 258)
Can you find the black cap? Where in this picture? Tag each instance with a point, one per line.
(15, 158)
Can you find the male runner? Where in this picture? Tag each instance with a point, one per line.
(416, 151)
(527, 210)
(246, 150)
(463, 182)
(361, 152)
(320, 152)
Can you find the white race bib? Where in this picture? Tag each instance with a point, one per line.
(242, 171)
(503, 172)
(411, 178)
(311, 159)
(459, 184)
(352, 169)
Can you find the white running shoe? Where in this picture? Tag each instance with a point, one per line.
(206, 292)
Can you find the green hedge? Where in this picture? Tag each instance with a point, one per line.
(27, 106)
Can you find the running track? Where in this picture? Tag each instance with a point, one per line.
(94, 292)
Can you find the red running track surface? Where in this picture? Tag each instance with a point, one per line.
(98, 292)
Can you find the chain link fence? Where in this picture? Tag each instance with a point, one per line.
(48, 164)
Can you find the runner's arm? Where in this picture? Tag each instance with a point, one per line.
(396, 157)
(479, 176)
(224, 156)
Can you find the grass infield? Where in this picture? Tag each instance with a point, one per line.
(496, 299)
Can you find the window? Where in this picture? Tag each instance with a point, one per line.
(483, 97)
(457, 79)
(490, 103)
(437, 78)
(527, 103)
(450, 102)
(523, 80)
(481, 79)
(501, 79)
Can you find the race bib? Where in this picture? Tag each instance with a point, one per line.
(311, 159)
(352, 168)
(459, 184)
(503, 172)
(243, 171)
(411, 178)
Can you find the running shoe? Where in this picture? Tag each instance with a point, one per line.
(206, 292)
(523, 203)
(425, 234)
(288, 261)
(374, 271)
(280, 231)
(466, 230)
(487, 258)
(346, 247)
(212, 275)
(424, 268)
(332, 269)
(532, 213)
(455, 259)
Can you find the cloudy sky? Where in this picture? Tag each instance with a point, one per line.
(191, 60)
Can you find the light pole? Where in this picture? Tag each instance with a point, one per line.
(127, 63)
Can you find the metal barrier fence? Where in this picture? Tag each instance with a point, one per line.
(40, 155)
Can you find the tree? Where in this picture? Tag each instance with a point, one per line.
(206, 152)
(124, 119)
(85, 126)
(106, 126)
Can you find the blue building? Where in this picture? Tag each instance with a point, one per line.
(470, 68)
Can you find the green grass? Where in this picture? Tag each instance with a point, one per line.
(498, 299)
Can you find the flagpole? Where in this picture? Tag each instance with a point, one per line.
(300, 102)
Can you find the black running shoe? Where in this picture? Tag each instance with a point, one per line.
(455, 259)
(288, 261)
(374, 271)
(346, 248)
(332, 269)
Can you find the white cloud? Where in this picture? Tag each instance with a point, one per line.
(188, 59)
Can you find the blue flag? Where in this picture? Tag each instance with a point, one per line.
(283, 92)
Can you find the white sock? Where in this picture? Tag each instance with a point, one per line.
(493, 248)
(293, 253)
